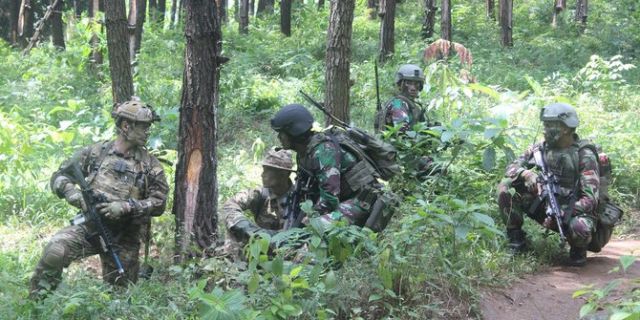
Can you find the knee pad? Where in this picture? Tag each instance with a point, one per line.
(55, 255)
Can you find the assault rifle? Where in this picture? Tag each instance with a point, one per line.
(292, 213)
(92, 216)
(550, 192)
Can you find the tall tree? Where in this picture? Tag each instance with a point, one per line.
(285, 17)
(196, 192)
(137, 10)
(25, 22)
(506, 22)
(372, 8)
(14, 14)
(582, 8)
(265, 6)
(490, 7)
(387, 29)
(173, 19)
(96, 55)
(221, 9)
(337, 84)
(445, 20)
(57, 26)
(429, 21)
(79, 6)
(243, 26)
(118, 47)
(558, 6)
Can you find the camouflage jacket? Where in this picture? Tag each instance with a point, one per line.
(576, 169)
(138, 179)
(404, 111)
(326, 162)
(267, 208)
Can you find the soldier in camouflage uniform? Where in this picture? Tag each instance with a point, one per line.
(574, 164)
(266, 204)
(135, 188)
(403, 109)
(341, 184)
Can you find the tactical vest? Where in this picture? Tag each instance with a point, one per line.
(415, 109)
(355, 173)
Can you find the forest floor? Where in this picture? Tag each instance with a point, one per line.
(547, 295)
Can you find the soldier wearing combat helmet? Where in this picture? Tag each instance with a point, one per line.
(133, 187)
(266, 204)
(575, 165)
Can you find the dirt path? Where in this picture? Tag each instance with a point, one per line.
(547, 295)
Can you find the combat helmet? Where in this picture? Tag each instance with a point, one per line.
(279, 158)
(134, 110)
(560, 112)
(409, 72)
(292, 119)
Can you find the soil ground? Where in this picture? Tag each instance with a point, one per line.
(548, 295)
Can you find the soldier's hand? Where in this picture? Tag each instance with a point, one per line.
(74, 197)
(113, 210)
(530, 179)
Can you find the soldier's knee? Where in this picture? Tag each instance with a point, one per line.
(581, 229)
(55, 255)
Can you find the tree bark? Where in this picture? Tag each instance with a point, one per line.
(57, 27)
(387, 30)
(558, 6)
(96, 57)
(285, 17)
(243, 13)
(15, 14)
(174, 9)
(221, 6)
(196, 192)
(162, 9)
(491, 12)
(506, 22)
(372, 8)
(117, 45)
(79, 6)
(337, 58)
(137, 9)
(582, 7)
(25, 22)
(265, 6)
(445, 21)
(429, 21)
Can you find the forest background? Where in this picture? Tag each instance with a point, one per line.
(445, 243)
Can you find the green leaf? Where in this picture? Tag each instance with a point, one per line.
(489, 133)
(587, 309)
(295, 271)
(486, 90)
(277, 265)
(620, 315)
(489, 158)
(374, 297)
(330, 280)
(627, 261)
(254, 281)
(484, 219)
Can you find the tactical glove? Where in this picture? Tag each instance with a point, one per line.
(74, 197)
(113, 210)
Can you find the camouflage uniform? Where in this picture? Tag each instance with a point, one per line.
(329, 166)
(266, 208)
(137, 179)
(401, 110)
(577, 171)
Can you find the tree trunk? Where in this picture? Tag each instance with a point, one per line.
(372, 8)
(162, 9)
(79, 6)
(221, 6)
(387, 28)
(285, 17)
(25, 22)
(196, 192)
(337, 84)
(558, 6)
(117, 45)
(445, 20)
(174, 10)
(57, 27)
(15, 16)
(582, 7)
(265, 6)
(506, 22)
(491, 12)
(96, 57)
(429, 21)
(137, 9)
(243, 13)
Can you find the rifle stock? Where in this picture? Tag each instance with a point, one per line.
(293, 214)
(91, 215)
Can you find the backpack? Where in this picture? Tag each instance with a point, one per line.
(379, 154)
(609, 214)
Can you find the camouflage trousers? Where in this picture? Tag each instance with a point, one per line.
(74, 243)
(353, 210)
(513, 207)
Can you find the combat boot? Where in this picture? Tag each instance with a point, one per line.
(517, 241)
(245, 229)
(577, 256)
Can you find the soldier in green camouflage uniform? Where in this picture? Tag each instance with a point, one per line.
(265, 204)
(342, 185)
(135, 188)
(575, 165)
